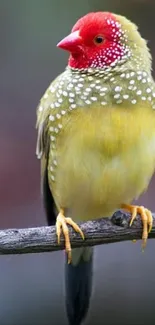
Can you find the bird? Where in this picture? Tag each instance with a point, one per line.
(96, 137)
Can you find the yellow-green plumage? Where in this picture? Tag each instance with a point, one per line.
(97, 132)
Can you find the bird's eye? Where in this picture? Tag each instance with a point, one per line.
(99, 39)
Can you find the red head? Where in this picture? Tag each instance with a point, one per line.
(96, 40)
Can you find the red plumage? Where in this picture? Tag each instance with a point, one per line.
(90, 53)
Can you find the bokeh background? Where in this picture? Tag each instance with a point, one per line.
(32, 286)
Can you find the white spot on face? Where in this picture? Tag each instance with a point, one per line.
(103, 103)
(52, 177)
(40, 108)
(60, 100)
(60, 126)
(139, 92)
(63, 112)
(132, 82)
(51, 169)
(143, 98)
(55, 162)
(46, 95)
(148, 90)
(93, 98)
(143, 81)
(51, 128)
(80, 85)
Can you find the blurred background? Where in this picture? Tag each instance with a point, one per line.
(32, 286)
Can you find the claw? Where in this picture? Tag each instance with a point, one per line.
(146, 217)
(61, 226)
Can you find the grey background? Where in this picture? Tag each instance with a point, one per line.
(31, 286)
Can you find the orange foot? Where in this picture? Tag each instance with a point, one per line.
(61, 226)
(146, 217)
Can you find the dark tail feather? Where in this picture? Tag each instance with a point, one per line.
(78, 281)
(48, 201)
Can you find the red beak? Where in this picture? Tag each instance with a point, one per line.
(71, 42)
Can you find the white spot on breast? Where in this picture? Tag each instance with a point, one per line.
(71, 95)
(73, 106)
(104, 89)
(117, 96)
(118, 88)
(88, 102)
(51, 118)
(119, 101)
(134, 101)
(52, 138)
(57, 104)
(65, 93)
(125, 96)
(148, 90)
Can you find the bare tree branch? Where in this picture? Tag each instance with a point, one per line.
(43, 239)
